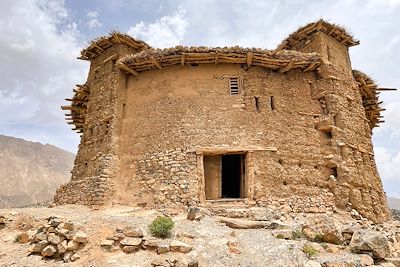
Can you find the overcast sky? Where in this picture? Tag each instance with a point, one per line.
(40, 40)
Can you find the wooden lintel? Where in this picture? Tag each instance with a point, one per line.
(249, 59)
(126, 68)
(287, 67)
(155, 62)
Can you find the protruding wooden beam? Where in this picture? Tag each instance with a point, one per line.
(98, 47)
(287, 67)
(386, 89)
(125, 68)
(155, 62)
(73, 108)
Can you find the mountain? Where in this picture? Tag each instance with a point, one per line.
(30, 172)
(394, 203)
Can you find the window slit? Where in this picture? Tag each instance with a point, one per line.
(272, 100)
(234, 86)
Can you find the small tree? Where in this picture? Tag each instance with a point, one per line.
(161, 226)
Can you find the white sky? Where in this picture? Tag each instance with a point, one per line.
(41, 39)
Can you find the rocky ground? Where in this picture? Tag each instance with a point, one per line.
(73, 235)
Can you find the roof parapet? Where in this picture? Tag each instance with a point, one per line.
(99, 45)
(303, 33)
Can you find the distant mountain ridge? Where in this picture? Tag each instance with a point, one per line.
(30, 172)
(394, 203)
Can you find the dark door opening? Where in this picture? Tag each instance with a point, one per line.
(232, 176)
(224, 176)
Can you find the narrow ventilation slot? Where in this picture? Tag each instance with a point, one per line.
(272, 102)
(257, 103)
(234, 86)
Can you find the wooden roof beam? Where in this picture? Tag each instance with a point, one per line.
(311, 67)
(287, 67)
(249, 59)
(386, 89)
(127, 69)
(156, 63)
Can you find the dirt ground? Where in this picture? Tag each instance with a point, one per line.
(253, 247)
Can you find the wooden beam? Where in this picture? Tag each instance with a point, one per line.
(287, 67)
(311, 67)
(155, 62)
(117, 38)
(98, 47)
(110, 58)
(125, 68)
(73, 108)
(386, 89)
(182, 59)
(279, 47)
(249, 59)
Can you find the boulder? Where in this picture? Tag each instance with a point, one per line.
(133, 232)
(38, 247)
(2, 219)
(49, 251)
(80, 237)
(163, 247)
(130, 249)
(72, 245)
(67, 256)
(55, 239)
(323, 228)
(194, 213)
(23, 238)
(75, 257)
(180, 246)
(242, 224)
(131, 241)
(107, 243)
(369, 241)
(277, 225)
(41, 236)
(62, 247)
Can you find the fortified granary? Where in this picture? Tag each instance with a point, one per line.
(182, 126)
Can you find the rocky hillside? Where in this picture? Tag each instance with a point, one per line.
(31, 172)
(394, 203)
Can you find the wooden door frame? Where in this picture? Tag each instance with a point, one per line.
(246, 175)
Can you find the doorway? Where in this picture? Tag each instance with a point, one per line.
(224, 176)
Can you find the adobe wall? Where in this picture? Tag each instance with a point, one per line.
(172, 115)
(96, 163)
(145, 137)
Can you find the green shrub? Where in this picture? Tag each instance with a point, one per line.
(297, 234)
(309, 250)
(161, 227)
(319, 238)
(280, 236)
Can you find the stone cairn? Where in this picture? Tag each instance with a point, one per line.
(131, 239)
(58, 239)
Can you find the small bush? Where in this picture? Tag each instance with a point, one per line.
(161, 227)
(280, 236)
(319, 238)
(309, 250)
(297, 234)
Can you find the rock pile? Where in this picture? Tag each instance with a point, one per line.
(58, 239)
(131, 239)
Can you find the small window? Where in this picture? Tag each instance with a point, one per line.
(234, 86)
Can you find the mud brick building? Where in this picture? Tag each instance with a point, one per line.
(289, 127)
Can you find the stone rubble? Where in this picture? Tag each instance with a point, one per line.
(131, 239)
(56, 239)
